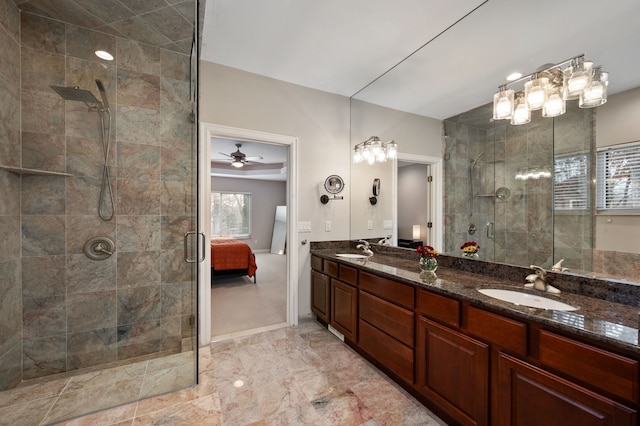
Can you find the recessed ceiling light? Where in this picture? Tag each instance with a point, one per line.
(514, 76)
(103, 54)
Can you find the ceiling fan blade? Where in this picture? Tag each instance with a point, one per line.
(226, 155)
(256, 158)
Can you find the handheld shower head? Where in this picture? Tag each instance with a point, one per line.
(103, 94)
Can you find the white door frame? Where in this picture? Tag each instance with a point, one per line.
(208, 131)
(436, 192)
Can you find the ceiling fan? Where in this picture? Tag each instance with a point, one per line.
(238, 158)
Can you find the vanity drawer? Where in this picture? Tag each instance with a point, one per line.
(316, 263)
(503, 332)
(392, 319)
(330, 268)
(605, 370)
(392, 291)
(439, 307)
(348, 274)
(389, 352)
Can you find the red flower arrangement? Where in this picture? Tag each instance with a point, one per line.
(427, 251)
(470, 247)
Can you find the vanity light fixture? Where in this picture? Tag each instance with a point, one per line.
(373, 150)
(548, 89)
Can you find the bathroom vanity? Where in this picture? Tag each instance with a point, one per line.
(476, 360)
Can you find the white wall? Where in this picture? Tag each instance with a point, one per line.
(265, 196)
(318, 119)
(617, 122)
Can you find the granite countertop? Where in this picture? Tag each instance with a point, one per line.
(599, 319)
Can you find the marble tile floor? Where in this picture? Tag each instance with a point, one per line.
(297, 375)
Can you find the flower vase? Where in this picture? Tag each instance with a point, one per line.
(471, 255)
(428, 264)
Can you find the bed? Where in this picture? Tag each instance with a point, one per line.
(232, 258)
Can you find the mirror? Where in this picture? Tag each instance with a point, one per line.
(334, 184)
(414, 104)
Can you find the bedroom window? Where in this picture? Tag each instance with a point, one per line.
(231, 214)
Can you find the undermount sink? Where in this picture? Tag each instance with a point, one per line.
(526, 299)
(352, 255)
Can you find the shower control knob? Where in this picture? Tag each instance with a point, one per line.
(99, 248)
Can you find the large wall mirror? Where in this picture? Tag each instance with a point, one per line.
(436, 104)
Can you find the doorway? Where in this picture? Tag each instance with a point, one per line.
(247, 292)
(432, 190)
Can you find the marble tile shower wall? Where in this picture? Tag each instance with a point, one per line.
(78, 312)
(522, 231)
(10, 266)
(526, 230)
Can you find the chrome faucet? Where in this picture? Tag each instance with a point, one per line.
(538, 280)
(366, 248)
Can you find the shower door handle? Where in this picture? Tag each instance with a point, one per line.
(186, 247)
(202, 247)
(490, 233)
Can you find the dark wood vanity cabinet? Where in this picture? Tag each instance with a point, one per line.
(452, 370)
(472, 365)
(528, 395)
(320, 295)
(344, 308)
(386, 323)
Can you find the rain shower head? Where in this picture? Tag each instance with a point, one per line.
(76, 94)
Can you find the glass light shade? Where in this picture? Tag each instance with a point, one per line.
(357, 155)
(555, 104)
(576, 78)
(392, 149)
(366, 152)
(376, 147)
(416, 232)
(503, 104)
(237, 164)
(595, 93)
(521, 112)
(535, 92)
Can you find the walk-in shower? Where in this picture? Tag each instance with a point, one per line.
(105, 203)
(95, 323)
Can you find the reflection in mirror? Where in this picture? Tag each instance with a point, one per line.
(528, 190)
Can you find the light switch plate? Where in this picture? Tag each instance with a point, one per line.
(327, 225)
(369, 224)
(388, 224)
(304, 226)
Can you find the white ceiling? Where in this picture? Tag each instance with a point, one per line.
(469, 45)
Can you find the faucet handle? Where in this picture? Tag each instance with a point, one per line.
(541, 272)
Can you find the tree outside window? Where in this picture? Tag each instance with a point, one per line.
(231, 214)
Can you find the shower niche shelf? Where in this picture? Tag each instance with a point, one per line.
(23, 171)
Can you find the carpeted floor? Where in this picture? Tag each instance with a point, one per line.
(237, 304)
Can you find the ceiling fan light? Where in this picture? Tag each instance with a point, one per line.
(237, 163)
(503, 104)
(535, 92)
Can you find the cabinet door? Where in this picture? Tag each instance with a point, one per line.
(320, 289)
(528, 395)
(344, 305)
(453, 371)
